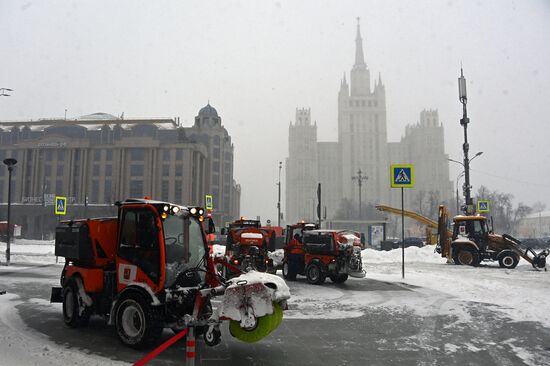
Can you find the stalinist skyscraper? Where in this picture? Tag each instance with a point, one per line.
(363, 145)
(362, 133)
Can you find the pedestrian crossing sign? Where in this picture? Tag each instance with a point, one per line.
(483, 206)
(60, 205)
(402, 176)
(209, 205)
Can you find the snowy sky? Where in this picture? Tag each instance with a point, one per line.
(257, 61)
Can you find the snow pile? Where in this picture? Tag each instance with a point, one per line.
(425, 254)
(30, 251)
(277, 257)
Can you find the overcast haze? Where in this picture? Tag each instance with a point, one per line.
(257, 61)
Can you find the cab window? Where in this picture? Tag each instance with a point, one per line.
(139, 242)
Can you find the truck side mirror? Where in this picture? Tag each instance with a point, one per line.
(211, 226)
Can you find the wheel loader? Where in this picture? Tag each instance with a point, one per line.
(148, 269)
(471, 242)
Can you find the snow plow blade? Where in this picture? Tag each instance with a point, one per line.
(254, 304)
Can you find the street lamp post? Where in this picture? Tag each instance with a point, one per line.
(360, 178)
(10, 162)
(463, 98)
(466, 187)
(279, 199)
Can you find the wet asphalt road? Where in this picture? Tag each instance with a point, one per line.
(382, 336)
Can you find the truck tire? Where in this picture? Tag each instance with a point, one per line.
(315, 274)
(135, 323)
(75, 312)
(339, 278)
(466, 256)
(289, 272)
(508, 260)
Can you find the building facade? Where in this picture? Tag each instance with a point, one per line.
(301, 168)
(363, 145)
(99, 159)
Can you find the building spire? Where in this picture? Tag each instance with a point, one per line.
(359, 57)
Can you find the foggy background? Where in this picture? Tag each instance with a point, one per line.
(256, 62)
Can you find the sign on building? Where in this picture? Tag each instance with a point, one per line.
(60, 205)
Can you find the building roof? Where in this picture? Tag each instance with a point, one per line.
(208, 111)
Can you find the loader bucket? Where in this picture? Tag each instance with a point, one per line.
(265, 325)
(539, 261)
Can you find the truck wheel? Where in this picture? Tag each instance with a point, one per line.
(135, 324)
(288, 273)
(509, 260)
(314, 274)
(72, 304)
(213, 338)
(339, 278)
(466, 256)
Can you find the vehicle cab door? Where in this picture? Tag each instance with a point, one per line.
(139, 257)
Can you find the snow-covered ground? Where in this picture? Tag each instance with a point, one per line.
(439, 289)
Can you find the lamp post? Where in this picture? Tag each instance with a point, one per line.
(467, 187)
(3, 92)
(279, 199)
(359, 178)
(463, 98)
(10, 162)
(457, 180)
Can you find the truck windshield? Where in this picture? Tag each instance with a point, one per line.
(184, 245)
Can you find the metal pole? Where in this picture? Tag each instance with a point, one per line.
(10, 162)
(10, 168)
(402, 233)
(279, 200)
(457, 198)
(465, 147)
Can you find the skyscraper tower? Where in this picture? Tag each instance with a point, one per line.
(301, 168)
(362, 131)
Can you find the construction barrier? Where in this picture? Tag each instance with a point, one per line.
(168, 343)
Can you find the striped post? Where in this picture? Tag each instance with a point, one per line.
(190, 347)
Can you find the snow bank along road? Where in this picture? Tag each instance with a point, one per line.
(439, 315)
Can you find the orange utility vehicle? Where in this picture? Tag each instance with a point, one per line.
(293, 258)
(149, 269)
(329, 253)
(248, 245)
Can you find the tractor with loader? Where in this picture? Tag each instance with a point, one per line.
(471, 241)
(148, 269)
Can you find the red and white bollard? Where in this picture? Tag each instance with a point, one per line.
(190, 347)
